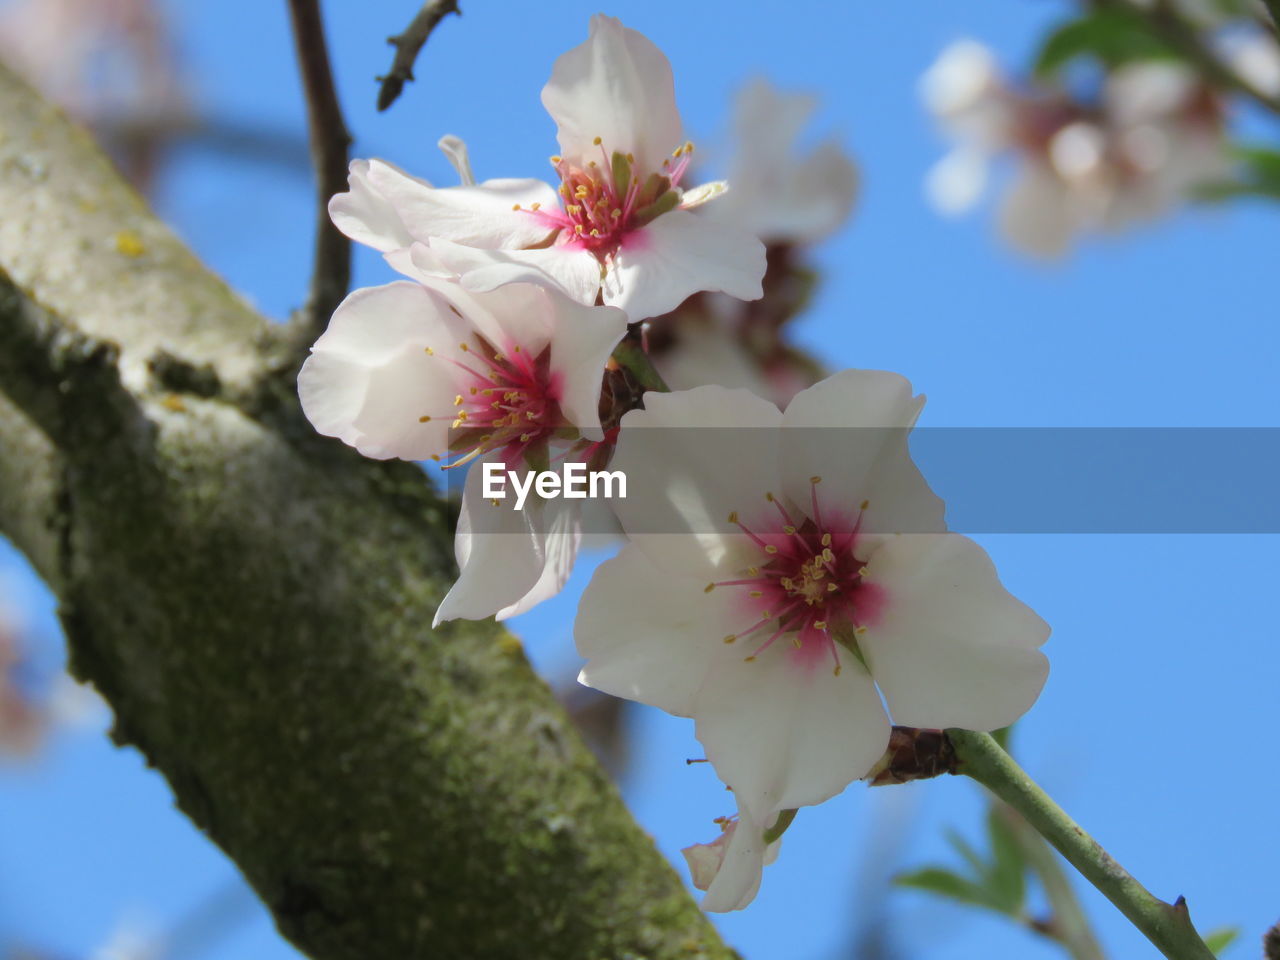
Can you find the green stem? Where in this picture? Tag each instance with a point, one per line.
(779, 826)
(1168, 926)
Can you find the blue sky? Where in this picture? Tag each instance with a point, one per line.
(1164, 649)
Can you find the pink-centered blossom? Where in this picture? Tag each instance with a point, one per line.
(427, 370)
(780, 580)
(618, 227)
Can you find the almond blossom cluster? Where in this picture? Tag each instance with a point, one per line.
(1154, 133)
(787, 579)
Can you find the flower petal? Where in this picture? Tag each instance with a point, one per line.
(783, 734)
(690, 458)
(952, 647)
(368, 215)
(558, 525)
(647, 634)
(570, 269)
(369, 380)
(582, 339)
(386, 208)
(851, 430)
(742, 859)
(677, 255)
(499, 553)
(1036, 214)
(616, 86)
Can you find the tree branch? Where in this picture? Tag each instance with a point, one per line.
(1167, 926)
(331, 272)
(408, 45)
(253, 600)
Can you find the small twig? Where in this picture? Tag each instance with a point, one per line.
(1271, 939)
(1167, 926)
(408, 45)
(331, 271)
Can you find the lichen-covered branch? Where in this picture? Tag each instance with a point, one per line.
(255, 603)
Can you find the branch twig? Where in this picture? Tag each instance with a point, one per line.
(1168, 926)
(331, 273)
(408, 45)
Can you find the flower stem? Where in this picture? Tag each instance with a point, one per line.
(1168, 926)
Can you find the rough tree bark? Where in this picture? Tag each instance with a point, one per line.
(255, 602)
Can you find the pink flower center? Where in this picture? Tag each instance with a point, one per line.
(604, 201)
(507, 401)
(808, 583)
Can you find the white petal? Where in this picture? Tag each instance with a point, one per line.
(708, 353)
(737, 881)
(369, 379)
(647, 634)
(851, 430)
(678, 254)
(616, 86)
(816, 197)
(582, 340)
(499, 553)
(572, 270)
(558, 524)
(388, 209)
(1036, 214)
(482, 215)
(955, 183)
(690, 459)
(786, 734)
(367, 214)
(952, 647)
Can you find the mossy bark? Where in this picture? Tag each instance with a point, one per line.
(255, 603)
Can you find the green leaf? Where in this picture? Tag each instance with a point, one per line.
(943, 882)
(971, 856)
(1112, 36)
(1257, 175)
(1006, 878)
(1220, 939)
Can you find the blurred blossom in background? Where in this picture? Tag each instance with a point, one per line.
(1139, 182)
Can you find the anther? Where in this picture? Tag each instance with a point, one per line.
(430, 352)
(733, 516)
(757, 593)
(424, 419)
(865, 504)
(708, 588)
(597, 141)
(826, 539)
(788, 530)
(820, 624)
(770, 548)
(730, 638)
(815, 479)
(515, 206)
